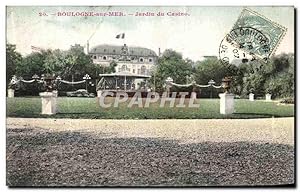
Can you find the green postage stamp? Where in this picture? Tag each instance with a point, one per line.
(257, 34)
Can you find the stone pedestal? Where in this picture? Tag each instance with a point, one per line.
(48, 103)
(251, 97)
(226, 103)
(10, 93)
(99, 93)
(193, 95)
(168, 88)
(268, 97)
(55, 93)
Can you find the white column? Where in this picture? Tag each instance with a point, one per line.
(54, 106)
(99, 93)
(168, 89)
(268, 97)
(251, 97)
(193, 95)
(48, 103)
(55, 93)
(10, 93)
(226, 103)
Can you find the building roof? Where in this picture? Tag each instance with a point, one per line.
(116, 50)
(123, 74)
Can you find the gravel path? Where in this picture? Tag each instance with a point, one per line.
(273, 130)
(47, 152)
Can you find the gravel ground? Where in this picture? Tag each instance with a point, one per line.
(79, 157)
(272, 130)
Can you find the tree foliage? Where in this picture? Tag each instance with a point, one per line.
(13, 59)
(33, 63)
(209, 69)
(70, 64)
(280, 77)
(275, 77)
(171, 64)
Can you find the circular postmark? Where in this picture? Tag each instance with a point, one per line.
(242, 45)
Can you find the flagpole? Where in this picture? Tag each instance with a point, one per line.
(125, 79)
(124, 42)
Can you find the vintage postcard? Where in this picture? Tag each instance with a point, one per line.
(150, 96)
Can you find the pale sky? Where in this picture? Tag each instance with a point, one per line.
(196, 35)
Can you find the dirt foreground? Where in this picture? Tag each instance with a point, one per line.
(77, 152)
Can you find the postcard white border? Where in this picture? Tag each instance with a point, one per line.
(4, 3)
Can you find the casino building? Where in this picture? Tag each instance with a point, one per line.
(135, 60)
(134, 66)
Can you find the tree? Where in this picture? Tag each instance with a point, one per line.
(33, 64)
(280, 85)
(252, 77)
(56, 63)
(70, 64)
(170, 64)
(76, 63)
(254, 82)
(13, 59)
(280, 70)
(208, 69)
(275, 77)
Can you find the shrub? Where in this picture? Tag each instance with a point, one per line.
(287, 101)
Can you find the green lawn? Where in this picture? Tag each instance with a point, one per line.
(89, 108)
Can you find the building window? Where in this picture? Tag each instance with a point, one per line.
(114, 50)
(150, 60)
(139, 71)
(133, 70)
(123, 67)
(104, 57)
(143, 70)
(95, 57)
(141, 59)
(104, 50)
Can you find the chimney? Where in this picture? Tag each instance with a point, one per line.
(159, 52)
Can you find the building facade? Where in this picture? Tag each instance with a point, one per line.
(135, 60)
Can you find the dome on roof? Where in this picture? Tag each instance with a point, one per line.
(117, 49)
